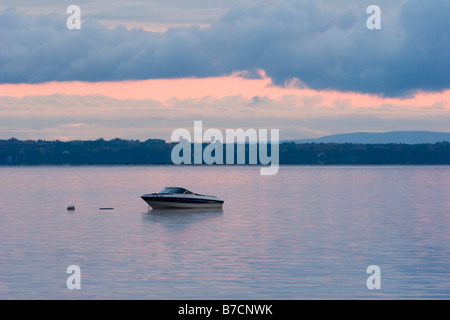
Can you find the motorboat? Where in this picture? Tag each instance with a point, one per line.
(176, 197)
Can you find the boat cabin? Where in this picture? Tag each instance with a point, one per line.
(175, 190)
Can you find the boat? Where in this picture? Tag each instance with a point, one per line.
(177, 197)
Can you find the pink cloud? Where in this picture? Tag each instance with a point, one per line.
(164, 90)
(73, 125)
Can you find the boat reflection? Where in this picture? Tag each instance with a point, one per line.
(180, 218)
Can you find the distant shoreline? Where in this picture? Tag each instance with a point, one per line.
(118, 152)
(216, 165)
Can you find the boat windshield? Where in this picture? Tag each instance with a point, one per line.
(175, 190)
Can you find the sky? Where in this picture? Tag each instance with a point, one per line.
(140, 69)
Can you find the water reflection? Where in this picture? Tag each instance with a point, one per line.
(180, 218)
(312, 243)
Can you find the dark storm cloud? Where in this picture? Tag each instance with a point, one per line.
(323, 45)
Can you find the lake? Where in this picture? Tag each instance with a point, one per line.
(308, 232)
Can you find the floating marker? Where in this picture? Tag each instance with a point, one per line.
(71, 207)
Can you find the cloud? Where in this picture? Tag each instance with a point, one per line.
(296, 116)
(324, 46)
(135, 12)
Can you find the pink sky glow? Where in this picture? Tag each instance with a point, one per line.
(155, 107)
(163, 90)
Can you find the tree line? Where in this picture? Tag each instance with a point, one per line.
(155, 151)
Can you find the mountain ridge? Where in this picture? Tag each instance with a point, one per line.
(403, 137)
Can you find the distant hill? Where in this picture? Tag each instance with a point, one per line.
(405, 137)
(14, 152)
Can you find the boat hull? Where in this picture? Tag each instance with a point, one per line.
(158, 202)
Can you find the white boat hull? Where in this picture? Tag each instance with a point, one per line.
(182, 202)
(156, 205)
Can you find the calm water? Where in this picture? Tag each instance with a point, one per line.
(305, 233)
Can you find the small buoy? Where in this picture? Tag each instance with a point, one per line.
(71, 207)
